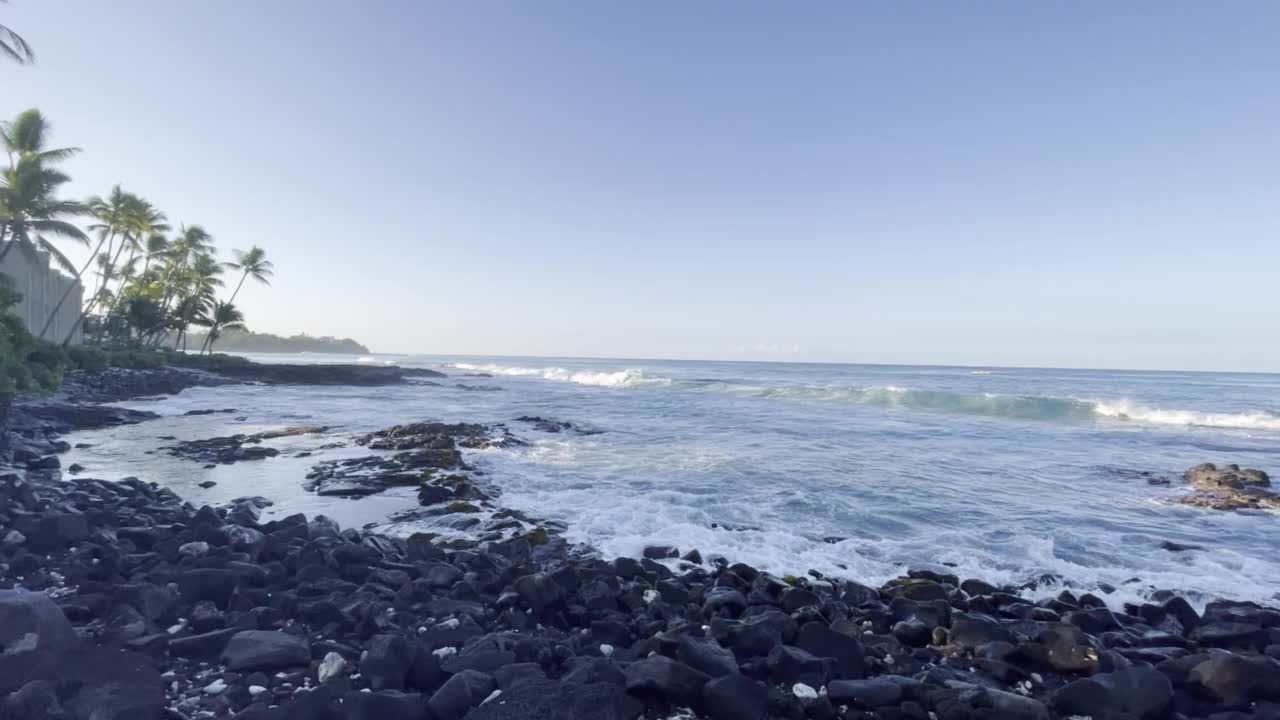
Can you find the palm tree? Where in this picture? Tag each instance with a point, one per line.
(30, 210)
(142, 220)
(190, 242)
(157, 248)
(184, 314)
(255, 263)
(14, 47)
(225, 316)
(112, 215)
(27, 135)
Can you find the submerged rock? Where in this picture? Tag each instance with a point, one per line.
(236, 448)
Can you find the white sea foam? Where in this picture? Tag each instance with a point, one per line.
(628, 377)
(1125, 410)
(784, 545)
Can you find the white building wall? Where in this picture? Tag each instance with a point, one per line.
(41, 287)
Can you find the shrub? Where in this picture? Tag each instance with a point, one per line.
(26, 364)
(80, 357)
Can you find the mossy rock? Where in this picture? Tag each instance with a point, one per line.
(454, 481)
(537, 536)
(461, 506)
(791, 579)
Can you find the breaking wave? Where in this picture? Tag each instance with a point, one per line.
(1022, 407)
(621, 378)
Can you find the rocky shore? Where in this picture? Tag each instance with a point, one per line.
(122, 601)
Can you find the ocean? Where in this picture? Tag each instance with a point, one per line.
(1035, 476)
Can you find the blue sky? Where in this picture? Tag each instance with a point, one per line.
(1083, 184)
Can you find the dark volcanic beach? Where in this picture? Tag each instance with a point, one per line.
(129, 603)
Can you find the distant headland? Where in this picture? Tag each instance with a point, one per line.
(245, 341)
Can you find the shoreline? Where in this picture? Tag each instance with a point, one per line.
(530, 615)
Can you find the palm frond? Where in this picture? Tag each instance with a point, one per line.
(14, 47)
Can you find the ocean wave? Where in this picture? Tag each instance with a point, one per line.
(1024, 407)
(998, 405)
(629, 377)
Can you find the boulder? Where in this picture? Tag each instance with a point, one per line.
(1235, 680)
(383, 705)
(1139, 691)
(670, 680)
(735, 697)
(386, 661)
(865, 694)
(212, 584)
(706, 656)
(548, 700)
(250, 650)
(845, 651)
(724, 598)
(539, 591)
(459, 694)
(970, 630)
(35, 637)
(789, 665)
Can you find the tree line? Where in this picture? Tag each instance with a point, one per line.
(145, 281)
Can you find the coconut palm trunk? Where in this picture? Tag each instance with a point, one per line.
(96, 297)
(124, 280)
(67, 293)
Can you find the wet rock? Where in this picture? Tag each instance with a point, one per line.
(539, 591)
(971, 630)
(706, 656)
(546, 700)
(735, 697)
(212, 584)
(52, 530)
(250, 650)
(844, 651)
(1229, 487)
(662, 678)
(866, 694)
(724, 598)
(424, 435)
(34, 701)
(459, 694)
(1140, 691)
(1235, 681)
(323, 374)
(383, 705)
(387, 660)
(556, 426)
(789, 665)
(660, 552)
(1063, 647)
(35, 636)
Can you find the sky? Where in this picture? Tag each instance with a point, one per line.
(1087, 184)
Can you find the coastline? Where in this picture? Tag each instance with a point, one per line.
(531, 616)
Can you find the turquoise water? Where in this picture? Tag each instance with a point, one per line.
(859, 471)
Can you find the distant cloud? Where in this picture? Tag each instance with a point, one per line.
(768, 349)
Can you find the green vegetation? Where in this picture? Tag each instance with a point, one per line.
(26, 364)
(148, 286)
(248, 341)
